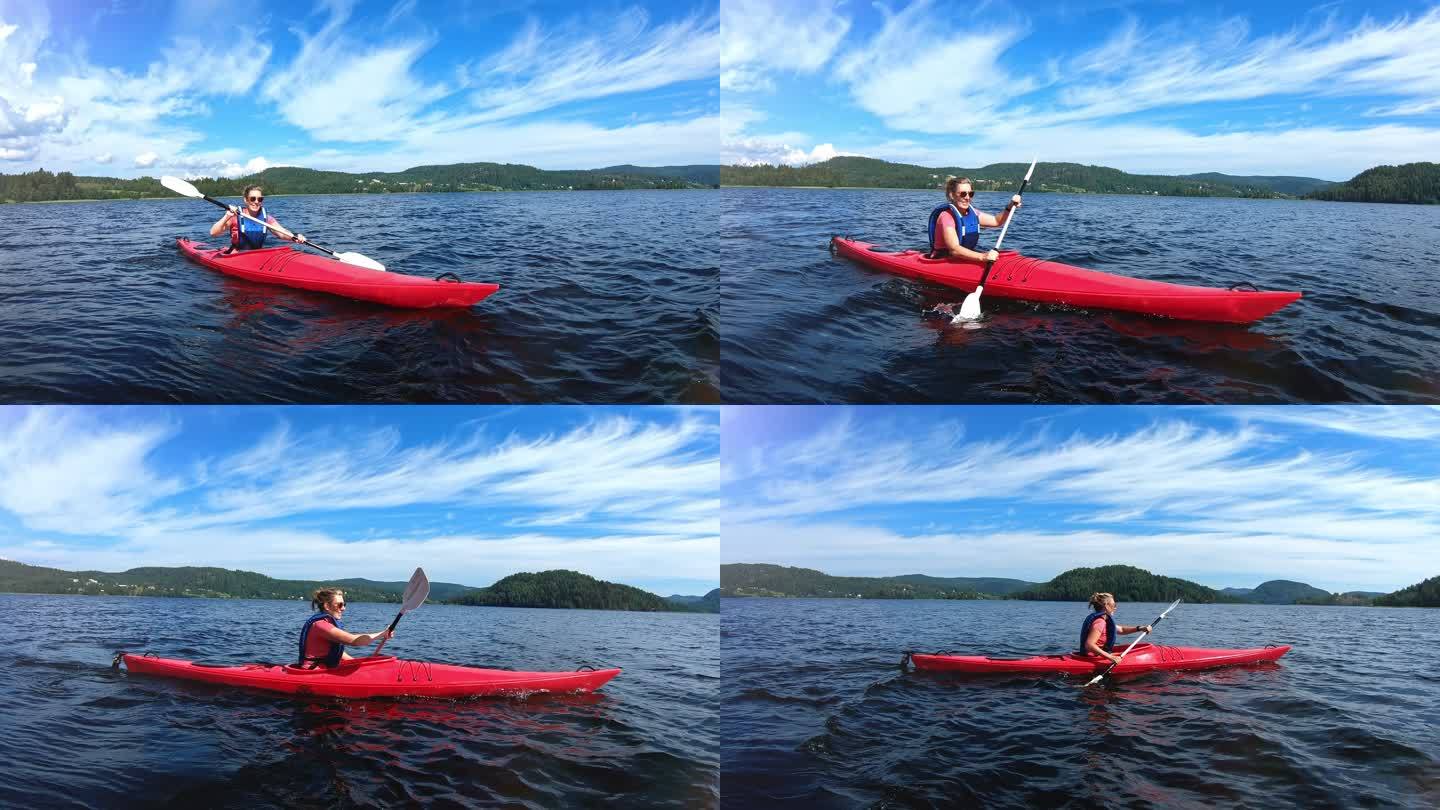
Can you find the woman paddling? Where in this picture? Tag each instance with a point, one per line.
(247, 235)
(322, 641)
(955, 226)
(1098, 631)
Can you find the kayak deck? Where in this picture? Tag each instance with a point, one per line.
(1144, 658)
(288, 267)
(375, 677)
(1026, 279)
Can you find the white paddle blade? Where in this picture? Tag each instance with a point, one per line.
(360, 261)
(970, 309)
(181, 187)
(416, 591)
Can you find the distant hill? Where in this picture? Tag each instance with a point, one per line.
(1416, 183)
(1284, 592)
(704, 174)
(1288, 592)
(1127, 583)
(709, 603)
(759, 579)
(1421, 594)
(439, 591)
(1291, 186)
(565, 589)
(44, 186)
(997, 586)
(863, 172)
(215, 583)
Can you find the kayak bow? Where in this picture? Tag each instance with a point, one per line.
(1026, 279)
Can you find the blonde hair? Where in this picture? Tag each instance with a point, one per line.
(1098, 600)
(320, 600)
(952, 182)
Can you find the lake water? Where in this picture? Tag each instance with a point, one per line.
(77, 733)
(816, 713)
(802, 326)
(603, 299)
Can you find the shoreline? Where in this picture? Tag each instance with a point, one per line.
(360, 194)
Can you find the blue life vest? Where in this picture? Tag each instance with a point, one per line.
(1109, 645)
(247, 234)
(967, 228)
(332, 659)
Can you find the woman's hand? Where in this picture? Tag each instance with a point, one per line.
(1114, 659)
(1145, 628)
(1015, 201)
(300, 237)
(233, 209)
(992, 256)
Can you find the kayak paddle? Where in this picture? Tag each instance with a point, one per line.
(1097, 678)
(970, 310)
(414, 597)
(183, 188)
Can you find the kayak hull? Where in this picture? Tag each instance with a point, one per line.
(375, 677)
(1025, 279)
(1144, 658)
(288, 267)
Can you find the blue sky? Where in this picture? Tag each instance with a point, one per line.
(135, 87)
(1278, 88)
(472, 494)
(1342, 498)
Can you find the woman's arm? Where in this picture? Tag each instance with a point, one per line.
(1092, 642)
(952, 242)
(337, 635)
(280, 230)
(988, 221)
(222, 224)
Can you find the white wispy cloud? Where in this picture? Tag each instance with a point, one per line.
(896, 74)
(1408, 422)
(549, 65)
(761, 37)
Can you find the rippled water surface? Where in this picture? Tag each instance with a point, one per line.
(77, 733)
(603, 298)
(816, 713)
(802, 326)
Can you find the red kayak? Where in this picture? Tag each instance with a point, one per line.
(1027, 279)
(292, 268)
(381, 676)
(1144, 658)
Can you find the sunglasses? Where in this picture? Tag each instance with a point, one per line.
(256, 199)
(339, 605)
(966, 193)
